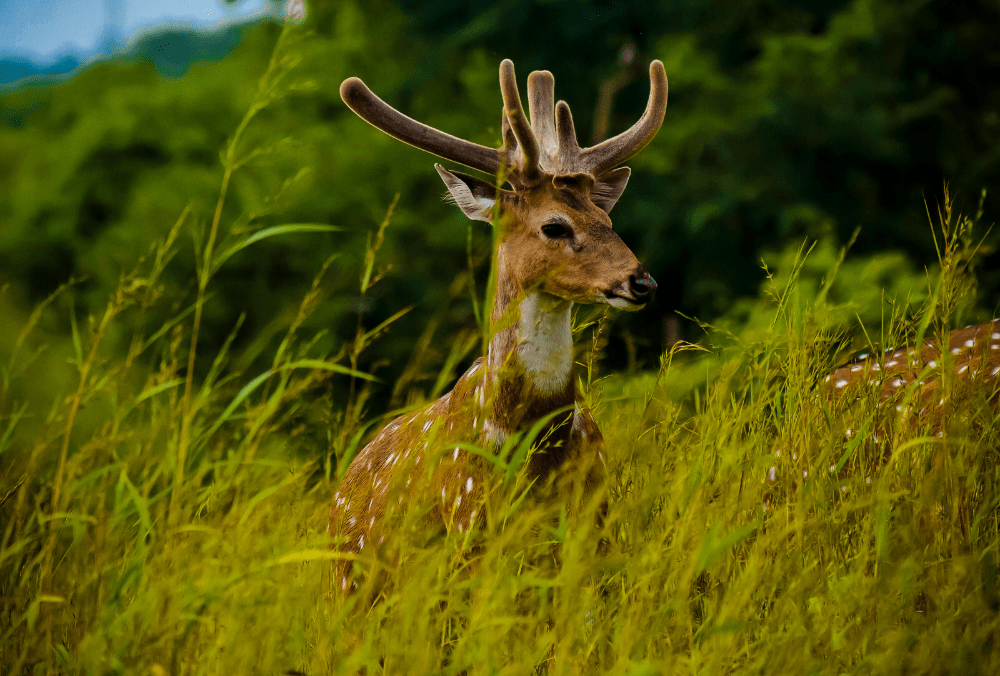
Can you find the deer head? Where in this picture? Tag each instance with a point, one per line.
(556, 232)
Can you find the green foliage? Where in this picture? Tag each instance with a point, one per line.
(159, 521)
(786, 121)
(112, 564)
(166, 465)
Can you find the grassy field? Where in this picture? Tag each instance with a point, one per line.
(158, 523)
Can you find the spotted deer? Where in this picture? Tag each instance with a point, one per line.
(917, 390)
(556, 247)
(912, 378)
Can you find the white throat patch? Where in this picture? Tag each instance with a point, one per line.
(545, 341)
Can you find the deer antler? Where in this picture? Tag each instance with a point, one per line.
(521, 151)
(614, 151)
(561, 153)
(548, 144)
(381, 115)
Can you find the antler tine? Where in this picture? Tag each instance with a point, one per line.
(569, 148)
(607, 154)
(518, 121)
(541, 97)
(381, 115)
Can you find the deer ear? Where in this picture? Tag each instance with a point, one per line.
(473, 196)
(608, 187)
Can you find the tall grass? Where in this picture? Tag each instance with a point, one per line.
(158, 522)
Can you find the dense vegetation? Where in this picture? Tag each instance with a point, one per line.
(187, 350)
(786, 121)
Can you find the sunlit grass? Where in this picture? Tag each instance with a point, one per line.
(157, 522)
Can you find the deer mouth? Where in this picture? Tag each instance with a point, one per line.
(622, 301)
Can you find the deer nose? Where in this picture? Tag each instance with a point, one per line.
(641, 284)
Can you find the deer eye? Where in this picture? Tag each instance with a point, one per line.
(556, 230)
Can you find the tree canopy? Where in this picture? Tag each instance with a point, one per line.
(787, 121)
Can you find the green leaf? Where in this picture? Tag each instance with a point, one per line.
(259, 380)
(170, 324)
(378, 329)
(270, 232)
(245, 392)
(713, 549)
(14, 418)
(321, 365)
(255, 500)
(140, 506)
(153, 391)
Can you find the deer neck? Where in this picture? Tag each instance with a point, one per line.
(530, 359)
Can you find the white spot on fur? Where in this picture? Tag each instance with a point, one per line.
(932, 364)
(841, 383)
(494, 434)
(468, 485)
(963, 368)
(970, 343)
(854, 369)
(955, 350)
(454, 456)
(458, 501)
